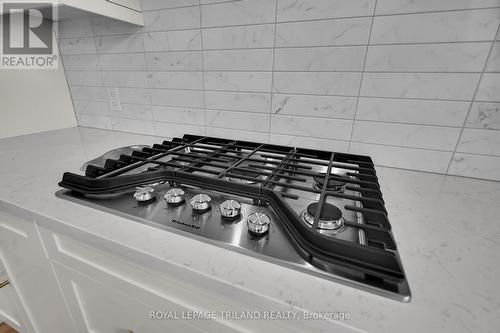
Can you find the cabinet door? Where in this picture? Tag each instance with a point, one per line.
(31, 276)
(98, 308)
(10, 307)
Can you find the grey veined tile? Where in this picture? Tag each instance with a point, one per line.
(174, 61)
(253, 102)
(294, 10)
(414, 136)
(353, 31)
(84, 78)
(308, 142)
(493, 64)
(459, 26)
(78, 45)
(448, 57)
(187, 40)
(335, 129)
(479, 141)
(403, 157)
(176, 80)
(415, 111)
(251, 60)
(182, 115)
(184, 98)
(477, 166)
(126, 61)
(120, 44)
(243, 37)
(314, 106)
(345, 84)
(451, 86)
(81, 62)
(323, 59)
(129, 79)
(484, 115)
(238, 13)
(489, 88)
(238, 120)
(238, 81)
(412, 6)
(172, 19)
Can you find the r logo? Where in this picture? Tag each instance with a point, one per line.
(27, 28)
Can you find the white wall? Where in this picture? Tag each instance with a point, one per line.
(414, 84)
(34, 101)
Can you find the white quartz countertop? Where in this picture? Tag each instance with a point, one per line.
(447, 230)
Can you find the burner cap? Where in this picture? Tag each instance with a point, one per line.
(329, 212)
(332, 183)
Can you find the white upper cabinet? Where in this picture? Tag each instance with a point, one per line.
(123, 10)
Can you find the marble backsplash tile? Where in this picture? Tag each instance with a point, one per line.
(414, 84)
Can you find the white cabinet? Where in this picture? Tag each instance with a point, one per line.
(31, 277)
(98, 308)
(11, 310)
(65, 285)
(131, 4)
(123, 10)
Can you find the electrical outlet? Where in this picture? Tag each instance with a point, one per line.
(114, 99)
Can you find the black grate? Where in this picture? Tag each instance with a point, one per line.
(208, 162)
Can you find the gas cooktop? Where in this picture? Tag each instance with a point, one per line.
(315, 211)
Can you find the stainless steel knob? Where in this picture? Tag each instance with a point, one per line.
(174, 196)
(144, 194)
(258, 223)
(201, 202)
(230, 208)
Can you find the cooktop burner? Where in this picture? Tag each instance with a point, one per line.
(315, 211)
(330, 217)
(332, 184)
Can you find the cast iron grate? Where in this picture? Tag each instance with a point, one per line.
(208, 162)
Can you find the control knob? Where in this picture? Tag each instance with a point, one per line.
(230, 208)
(201, 202)
(258, 223)
(144, 194)
(174, 196)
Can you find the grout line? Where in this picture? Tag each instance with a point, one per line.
(277, 47)
(346, 17)
(472, 100)
(283, 115)
(272, 72)
(301, 136)
(148, 82)
(298, 94)
(331, 71)
(203, 70)
(361, 78)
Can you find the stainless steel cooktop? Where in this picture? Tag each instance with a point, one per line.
(314, 211)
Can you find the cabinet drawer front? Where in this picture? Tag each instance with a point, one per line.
(15, 226)
(11, 311)
(187, 289)
(98, 308)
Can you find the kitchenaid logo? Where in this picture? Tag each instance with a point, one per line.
(27, 36)
(194, 226)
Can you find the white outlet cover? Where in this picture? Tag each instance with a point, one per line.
(114, 99)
